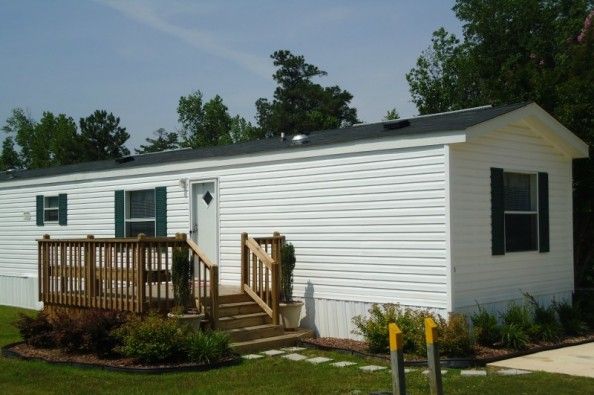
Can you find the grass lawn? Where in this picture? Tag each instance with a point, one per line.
(271, 375)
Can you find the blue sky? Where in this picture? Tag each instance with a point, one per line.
(136, 58)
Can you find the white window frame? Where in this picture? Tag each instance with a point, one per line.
(147, 219)
(534, 176)
(46, 208)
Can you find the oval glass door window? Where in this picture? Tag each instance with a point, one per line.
(207, 197)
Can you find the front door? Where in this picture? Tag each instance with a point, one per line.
(204, 218)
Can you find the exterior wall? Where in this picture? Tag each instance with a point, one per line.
(367, 226)
(493, 281)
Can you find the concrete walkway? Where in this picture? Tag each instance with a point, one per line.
(575, 361)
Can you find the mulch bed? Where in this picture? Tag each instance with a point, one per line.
(482, 355)
(56, 356)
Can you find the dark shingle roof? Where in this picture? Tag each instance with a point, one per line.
(456, 120)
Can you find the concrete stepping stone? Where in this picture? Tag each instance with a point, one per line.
(512, 372)
(473, 372)
(318, 360)
(292, 349)
(443, 371)
(252, 356)
(372, 368)
(272, 353)
(294, 357)
(343, 364)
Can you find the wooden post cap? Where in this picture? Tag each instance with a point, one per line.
(46, 236)
(90, 237)
(141, 236)
(430, 331)
(396, 341)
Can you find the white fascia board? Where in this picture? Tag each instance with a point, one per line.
(361, 146)
(539, 121)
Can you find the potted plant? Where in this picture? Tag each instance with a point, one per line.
(290, 310)
(182, 275)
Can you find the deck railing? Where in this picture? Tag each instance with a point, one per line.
(260, 271)
(125, 274)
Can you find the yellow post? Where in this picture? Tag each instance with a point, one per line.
(433, 357)
(397, 359)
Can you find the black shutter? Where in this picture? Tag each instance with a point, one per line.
(161, 211)
(62, 209)
(119, 214)
(497, 213)
(543, 212)
(39, 213)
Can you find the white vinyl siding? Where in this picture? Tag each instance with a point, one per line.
(367, 226)
(477, 275)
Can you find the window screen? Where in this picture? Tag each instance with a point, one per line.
(521, 215)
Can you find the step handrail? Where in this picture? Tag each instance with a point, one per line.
(260, 276)
(207, 278)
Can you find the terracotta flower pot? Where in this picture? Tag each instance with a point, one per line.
(290, 314)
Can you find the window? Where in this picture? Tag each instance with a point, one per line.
(140, 213)
(51, 209)
(521, 212)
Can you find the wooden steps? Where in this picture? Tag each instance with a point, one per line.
(250, 328)
(286, 340)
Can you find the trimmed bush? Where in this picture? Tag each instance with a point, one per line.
(485, 328)
(455, 339)
(374, 328)
(152, 339)
(207, 347)
(36, 331)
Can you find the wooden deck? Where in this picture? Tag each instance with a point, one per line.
(134, 274)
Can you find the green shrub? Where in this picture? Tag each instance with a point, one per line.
(514, 336)
(411, 322)
(518, 315)
(485, 328)
(570, 318)
(455, 339)
(546, 327)
(207, 347)
(287, 267)
(181, 277)
(36, 331)
(152, 339)
(374, 329)
(97, 327)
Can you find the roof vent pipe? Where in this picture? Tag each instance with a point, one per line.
(283, 138)
(300, 139)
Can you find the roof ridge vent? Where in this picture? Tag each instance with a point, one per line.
(397, 124)
(300, 139)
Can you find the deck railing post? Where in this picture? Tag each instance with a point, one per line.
(91, 285)
(244, 260)
(140, 272)
(275, 293)
(214, 296)
(46, 270)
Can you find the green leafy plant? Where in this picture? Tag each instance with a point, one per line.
(152, 339)
(374, 327)
(207, 347)
(570, 317)
(36, 331)
(514, 336)
(485, 328)
(518, 315)
(546, 327)
(181, 277)
(287, 267)
(455, 339)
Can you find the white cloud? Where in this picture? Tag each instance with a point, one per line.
(143, 12)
